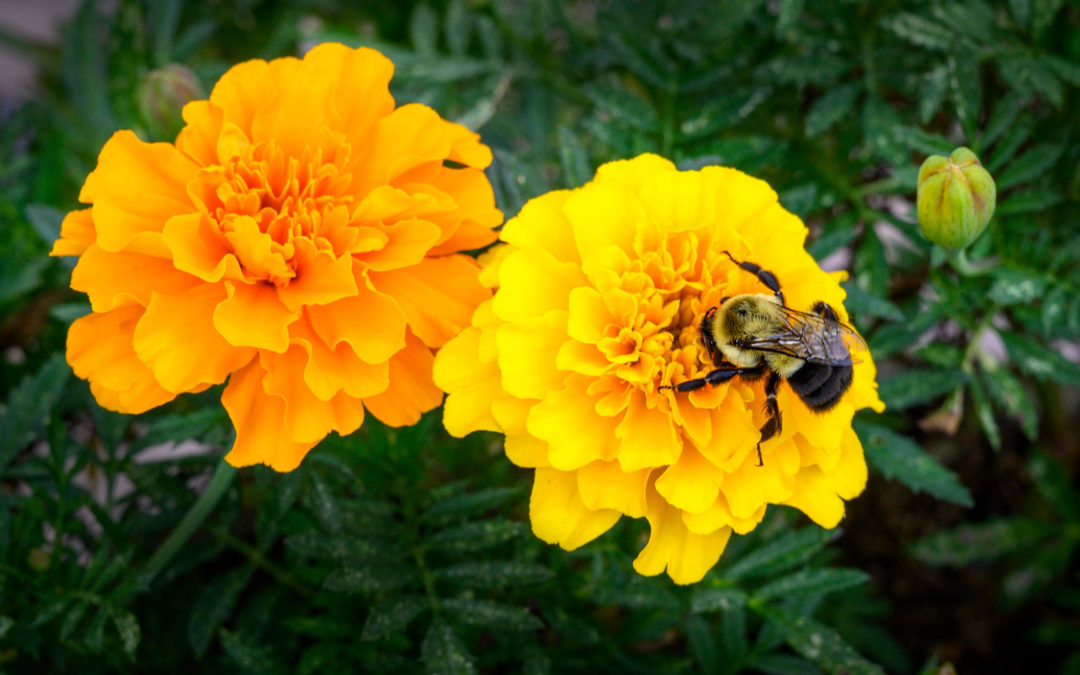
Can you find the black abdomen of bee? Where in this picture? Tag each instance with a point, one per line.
(820, 385)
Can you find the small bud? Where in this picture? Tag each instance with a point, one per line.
(163, 93)
(956, 199)
(38, 559)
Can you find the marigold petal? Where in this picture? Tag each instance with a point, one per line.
(114, 279)
(690, 484)
(533, 283)
(470, 385)
(202, 126)
(581, 358)
(307, 418)
(411, 392)
(371, 322)
(408, 241)
(330, 372)
(750, 486)
(589, 316)
(608, 215)
(254, 316)
(321, 278)
(542, 224)
(177, 327)
(636, 172)
(77, 232)
(521, 448)
(259, 420)
(437, 295)
(199, 249)
(604, 485)
(648, 437)
(558, 515)
(685, 555)
(356, 107)
(567, 420)
(719, 515)
(527, 349)
(99, 349)
(157, 172)
(814, 497)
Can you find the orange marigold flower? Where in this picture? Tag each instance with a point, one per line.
(600, 296)
(301, 238)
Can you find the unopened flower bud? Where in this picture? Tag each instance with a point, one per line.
(956, 199)
(163, 93)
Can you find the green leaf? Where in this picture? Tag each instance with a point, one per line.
(1038, 199)
(1040, 361)
(920, 385)
(922, 141)
(443, 652)
(702, 643)
(46, 221)
(1028, 166)
(369, 578)
(127, 627)
(982, 542)
(1018, 134)
(1009, 393)
(474, 536)
(492, 574)
(213, 606)
(424, 30)
(458, 27)
(1005, 112)
(919, 31)
(831, 241)
(714, 599)
(934, 86)
(6, 624)
(246, 654)
(392, 615)
(899, 458)
(1029, 77)
(29, 406)
(831, 108)
(784, 664)
(1052, 481)
(1014, 286)
(812, 582)
(785, 552)
(1065, 69)
(985, 413)
(573, 159)
(863, 303)
(623, 107)
(322, 504)
(471, 503)
(493, 615)
(818, 643)
(734, 638)
(966, 88)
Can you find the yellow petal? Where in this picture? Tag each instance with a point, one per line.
(532, 283)
(527, 350)
(750, 487)
(604, 485)
(558, 515)
(647, 436)
(719, 515)
(542, 224)
(605, 215)
(567, 420)
(634, 173)
(521, 447)
(470, 385)
(692, 483)
(686, 556)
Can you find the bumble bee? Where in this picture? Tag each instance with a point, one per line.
(753, 334)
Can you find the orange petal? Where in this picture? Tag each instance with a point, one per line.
(372, 323)
(307, 418)
(115, 279)
(157, 173)
(408, 241)
(257, 252)
(259, 420)
(321, 277)
(198, 138)
(685, 555)
(558, 515)
(253, 316)
(198, 248)
(176, 338)
(99, 349)
(438, 295)
(330, 372)
(411, 392)
(77, 232)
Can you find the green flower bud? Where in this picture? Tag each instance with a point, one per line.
(163, 93)
(956, 199)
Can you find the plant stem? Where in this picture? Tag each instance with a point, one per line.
(964, 267)
(219, 484)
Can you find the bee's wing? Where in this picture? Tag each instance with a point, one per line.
(812, 338)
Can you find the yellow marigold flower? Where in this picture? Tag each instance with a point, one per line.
(600, 295)
(301, 238)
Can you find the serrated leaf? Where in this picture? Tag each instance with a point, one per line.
(474, 536)
(424, 30)
(863, 303)
(1052, 481)
(637, 593)
(369, 578)
(981, 542)
(985, 413)
(830, 108)
(1041, 361)
(573, 159)
(811, 582)
(458, 27)
(784, 664)
(322, 504)
(1065, 69)
(1030, 77)
(471, 503)
(492, 574)
(785, 552)
(443, 652)
(213, 606)
(832, 240)
(702, 644)
(1028, 166)
(922, 141)
(965, 87)
(1039, 199)
(1010, 394)
(6, 624)
(934, 86)
(198, 425)
(392, 615)
(787, 15)
(127, 627)
(1005, 112)
(1014, 286)
(29, 406)
(623, 107)
(493, 615)
(246, 654)
(1018, 134)
(46, 221)
(899, 458)
(716, 599)
(734, 638)
(819, 643)
(920, 385)
(919, 31)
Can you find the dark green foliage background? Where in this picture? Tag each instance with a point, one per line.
(406, 550)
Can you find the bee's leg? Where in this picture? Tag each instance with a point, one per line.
(825, 311)
(764, 276)
(707, 337)
(774, 423)
(716, 377)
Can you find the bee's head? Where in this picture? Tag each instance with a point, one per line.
(744, 315)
